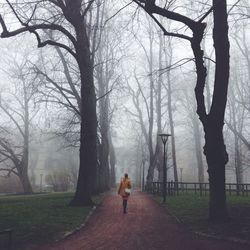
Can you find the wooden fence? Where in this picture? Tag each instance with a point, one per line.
(176, 188)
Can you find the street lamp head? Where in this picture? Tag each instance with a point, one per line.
(164, 137)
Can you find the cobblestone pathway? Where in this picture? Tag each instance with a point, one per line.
(146, 226)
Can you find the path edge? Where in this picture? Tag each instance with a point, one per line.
(68, 234)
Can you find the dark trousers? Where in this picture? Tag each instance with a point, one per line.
(125, 202)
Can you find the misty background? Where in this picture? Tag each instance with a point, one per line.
(144, 86)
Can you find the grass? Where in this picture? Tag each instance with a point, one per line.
(37, 219)
(192, 211)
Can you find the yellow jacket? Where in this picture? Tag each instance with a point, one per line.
(125, 183)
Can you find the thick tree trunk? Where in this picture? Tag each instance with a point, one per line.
(88, 134)
(27, 189)
(217, 157)
(215, 149)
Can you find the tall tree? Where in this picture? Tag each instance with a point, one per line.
(78, 45)
(188, 102)
(168, 59)
(215, 149)
(16, 110)
(213, 121)
(106, 78)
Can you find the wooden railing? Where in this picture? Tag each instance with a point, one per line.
(175, 188)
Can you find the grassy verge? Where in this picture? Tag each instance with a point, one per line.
(39, 219)
(192, 211)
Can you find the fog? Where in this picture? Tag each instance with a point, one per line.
(144, 86)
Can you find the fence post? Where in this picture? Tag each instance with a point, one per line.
(201, 185)
(168, 188)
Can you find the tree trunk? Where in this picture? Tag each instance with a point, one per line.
(217, 157)
(104, 164)
(171, 122)
(237, 151)
(112, 161)
(104, 127)
(151, 168)
(23, 172)
(215, 149)
(158, 147)
(27, 189)
(198, 151)
(238, 162)
(88, 133)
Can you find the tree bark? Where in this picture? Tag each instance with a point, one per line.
(198, 149)
(88, 133)
(23, 173)
(214, 149)
(103, 81)
(27, 189)
(237, 148)
(158, 147)
(112, 162)
(171, 120)
(150, 175)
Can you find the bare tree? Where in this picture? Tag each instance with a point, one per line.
(213, 121)
(188, 102)
(15, 131)
(71, 23)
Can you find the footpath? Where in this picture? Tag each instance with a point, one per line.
(146, 226)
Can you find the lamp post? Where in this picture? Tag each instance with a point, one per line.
(164, 138)
(41, 170)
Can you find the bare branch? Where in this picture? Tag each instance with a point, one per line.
(12, 118)
(87, 8)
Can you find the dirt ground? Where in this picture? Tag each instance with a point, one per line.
(147, 225)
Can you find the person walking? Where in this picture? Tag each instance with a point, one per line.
(124, 191)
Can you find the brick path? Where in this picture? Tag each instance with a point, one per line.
(147, 225)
